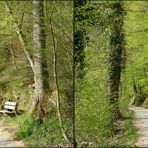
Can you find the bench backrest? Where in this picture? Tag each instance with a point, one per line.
(10, 105)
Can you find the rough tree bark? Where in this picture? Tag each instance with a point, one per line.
(40, 65)
(115, 55)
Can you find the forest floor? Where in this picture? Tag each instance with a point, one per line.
(141, 124)
(6, 136)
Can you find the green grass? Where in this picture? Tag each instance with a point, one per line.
(26, 128)
(35, 134)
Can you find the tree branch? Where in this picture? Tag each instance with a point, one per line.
(20, 35)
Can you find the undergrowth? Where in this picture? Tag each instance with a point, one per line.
(35, 134)
(127, 136)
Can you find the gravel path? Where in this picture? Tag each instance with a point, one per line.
(6, 137)
(141, 124)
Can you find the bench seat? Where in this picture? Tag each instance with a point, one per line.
(9, 108)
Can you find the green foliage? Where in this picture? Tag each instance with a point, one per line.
(93, 111)
(126, 137)
(3, 85)
(62, 20)
(94, 114)
(137, 53)
(26, 127)
(49, 132)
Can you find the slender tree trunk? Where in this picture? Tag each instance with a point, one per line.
(13, 59)
(56, 86)
(115, 55)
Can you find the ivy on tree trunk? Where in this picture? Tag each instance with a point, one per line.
(116, 49)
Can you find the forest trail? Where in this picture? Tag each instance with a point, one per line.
(6, 136)
(141, 123)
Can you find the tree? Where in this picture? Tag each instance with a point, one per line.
(36, 58)
(56, 85)
(61, 91)
(116, 49)
(79, 36)
(40, 66)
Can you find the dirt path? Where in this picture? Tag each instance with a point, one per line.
(6, 137)
(141, 124)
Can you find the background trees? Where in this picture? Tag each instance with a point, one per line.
(40, 67)
(109, 61)
(136, 49)
(26, 26)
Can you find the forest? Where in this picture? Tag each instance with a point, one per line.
(73, 73)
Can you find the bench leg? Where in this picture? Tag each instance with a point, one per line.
(6, 115)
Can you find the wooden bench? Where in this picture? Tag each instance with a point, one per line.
(9, 108)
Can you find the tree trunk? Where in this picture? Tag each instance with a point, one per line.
(79, 38)
(13, 59)
(56, 86)
(40, 65)
(115, 55)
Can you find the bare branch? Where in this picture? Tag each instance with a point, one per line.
(21, 23)
(20, 35)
